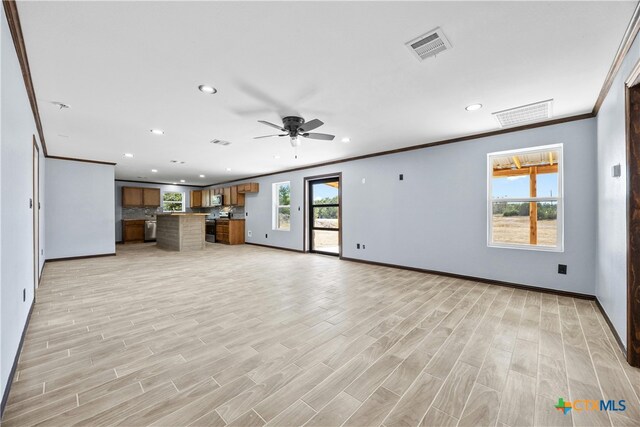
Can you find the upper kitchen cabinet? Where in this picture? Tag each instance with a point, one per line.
(139, 197)
(206, 198)
(131, 197)
(151, 197)
(196, 199)
(249, 187)
(226, 196)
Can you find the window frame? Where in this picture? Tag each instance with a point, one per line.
(559, 199)
(276, 206)
(171, 201)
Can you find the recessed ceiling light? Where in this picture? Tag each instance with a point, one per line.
(473, 107)
(154, 170)
(129, 155)
(207, 89)
(157, 131)
(201, 176)
(228, 169)
(182, 180)
(345, 139)
(175, 183)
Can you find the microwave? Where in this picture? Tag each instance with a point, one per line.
(216, 200)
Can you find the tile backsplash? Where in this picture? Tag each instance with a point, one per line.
(142, 213)
(237, 212)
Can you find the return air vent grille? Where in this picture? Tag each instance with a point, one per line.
(429, 44)
(220, 142)
(529, 113)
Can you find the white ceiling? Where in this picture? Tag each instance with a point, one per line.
(126, 68)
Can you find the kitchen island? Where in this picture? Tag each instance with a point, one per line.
(181, 231)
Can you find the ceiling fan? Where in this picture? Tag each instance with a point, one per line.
(295, 127)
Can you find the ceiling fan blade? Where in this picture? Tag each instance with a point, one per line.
(269, 136)
(311, 125)
(272, 125)
(323, 136)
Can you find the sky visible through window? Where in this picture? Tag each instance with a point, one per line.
(324, 191)
(518, 186)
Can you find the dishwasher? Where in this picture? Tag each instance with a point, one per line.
(150, 230)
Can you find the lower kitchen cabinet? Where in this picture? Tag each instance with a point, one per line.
(230, 231)
(132, 231)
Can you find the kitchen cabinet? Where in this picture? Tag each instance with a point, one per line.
(131, 197)
(132, 231)
(234, 195)
(196, 199)
(206, 198)
(230, 231)
(140, 197)
(226, 196)
(151, 197)
(249, 187)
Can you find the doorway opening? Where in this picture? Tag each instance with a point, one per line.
(324, 214)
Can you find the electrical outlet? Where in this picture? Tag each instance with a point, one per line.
(24, 295)
(246, 214)
(266, 236)
(363, 246)
(562, 269)
(249, 233)
(401, 177)
(357, 245)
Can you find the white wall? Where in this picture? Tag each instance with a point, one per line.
(80, 208)
(436, 218)
(16, 218)
(118, 193)
(611, 259)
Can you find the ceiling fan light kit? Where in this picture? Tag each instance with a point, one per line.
(295, 127)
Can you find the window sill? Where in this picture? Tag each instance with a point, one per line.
(559, 249)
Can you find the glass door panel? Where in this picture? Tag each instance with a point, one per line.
(324, 213)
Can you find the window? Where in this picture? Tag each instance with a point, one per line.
(525, 201)
(172, 201)
(282, 206)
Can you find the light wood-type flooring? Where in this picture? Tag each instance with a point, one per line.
(250, 336)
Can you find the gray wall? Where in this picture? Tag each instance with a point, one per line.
(79, 209)
(16, 220)
(437, 217)
(162, 187)
(611, 260)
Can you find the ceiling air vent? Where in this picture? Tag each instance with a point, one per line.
(524, 114)
(220, 142)
(429, 44)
